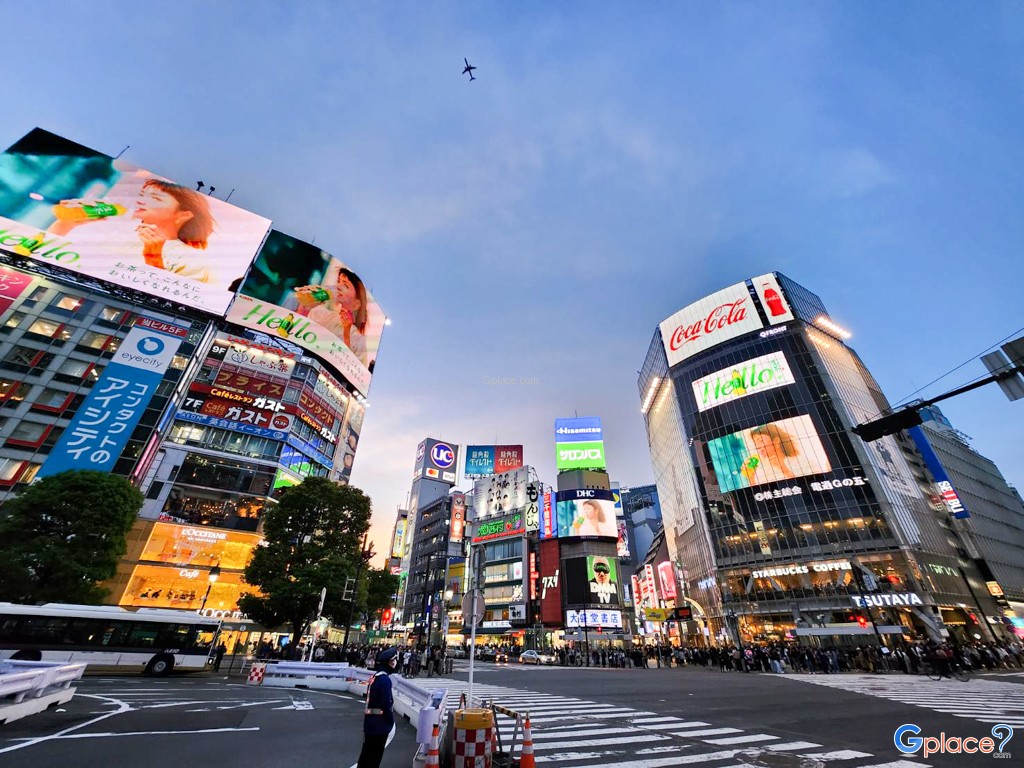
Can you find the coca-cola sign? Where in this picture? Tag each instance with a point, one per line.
(712, 320)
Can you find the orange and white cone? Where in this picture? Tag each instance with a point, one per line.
(526, 757)
(433, 753)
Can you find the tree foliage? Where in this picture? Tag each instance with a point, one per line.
(311, 541)
(381, 587)
(64, 534)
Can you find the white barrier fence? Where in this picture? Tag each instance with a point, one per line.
(423, 708)
(28, 687)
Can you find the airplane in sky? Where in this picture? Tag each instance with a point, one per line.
(469, 68)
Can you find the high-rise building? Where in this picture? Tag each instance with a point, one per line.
(786, 524)
(212, 363)
(983, 512)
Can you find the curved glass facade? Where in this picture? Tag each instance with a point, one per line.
(782, 521)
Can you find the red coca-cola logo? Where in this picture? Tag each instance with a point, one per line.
(720, 317)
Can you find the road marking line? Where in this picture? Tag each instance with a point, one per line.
(154, 733)
(791, 746)
(662, 762)
(707, 732)
(841, 754)
(545, 735)
(123, 706)
(741, 739)
(677, 724)
(599, 742)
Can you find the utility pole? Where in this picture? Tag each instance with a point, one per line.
(355, 589)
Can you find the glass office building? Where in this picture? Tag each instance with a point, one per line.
(786, 525)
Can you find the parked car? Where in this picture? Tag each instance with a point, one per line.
(458, 653)
(534, 657)
(486, 654)
(501, 658)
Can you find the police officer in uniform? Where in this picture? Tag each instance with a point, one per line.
(380, 715)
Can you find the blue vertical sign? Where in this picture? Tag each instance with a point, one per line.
(106, 419)
(949, 495)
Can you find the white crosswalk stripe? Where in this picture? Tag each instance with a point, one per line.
(575, 733)
(984, 700)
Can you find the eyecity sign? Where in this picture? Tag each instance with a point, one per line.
(757, 375)
(898, 599)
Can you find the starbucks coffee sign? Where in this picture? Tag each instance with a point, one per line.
(757, 375)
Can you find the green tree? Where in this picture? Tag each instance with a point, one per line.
(311, 541)
(64, 534)
(381, 587)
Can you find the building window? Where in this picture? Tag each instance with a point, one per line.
(74, 369)
(69, 302)
(14, 320)
(37, 295)
(29, 433)
(9, 469)
(13, 392)
(28, 360)
(112, 314)
(179, 362)
(94, 340)
(55, 400)
(30, 473)
(49, 329)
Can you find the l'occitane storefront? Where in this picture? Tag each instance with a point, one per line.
(169, 566)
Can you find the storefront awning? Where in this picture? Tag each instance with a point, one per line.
(850, 630)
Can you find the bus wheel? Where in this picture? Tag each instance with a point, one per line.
(27, 656)
(160, 666)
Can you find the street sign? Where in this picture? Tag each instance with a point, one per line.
(472, 610)
(656, 614)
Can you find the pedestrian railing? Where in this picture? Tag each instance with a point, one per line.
(28, 687)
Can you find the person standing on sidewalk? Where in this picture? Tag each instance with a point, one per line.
(379, 719)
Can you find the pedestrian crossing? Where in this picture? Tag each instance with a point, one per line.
(984, 700)
(575, 733)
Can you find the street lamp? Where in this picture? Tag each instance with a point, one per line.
(214, 575)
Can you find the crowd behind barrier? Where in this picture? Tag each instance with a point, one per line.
(910, 658)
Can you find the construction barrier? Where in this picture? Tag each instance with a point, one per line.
(256, 673)
(474, 733)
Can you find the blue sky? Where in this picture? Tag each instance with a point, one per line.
(611, 163)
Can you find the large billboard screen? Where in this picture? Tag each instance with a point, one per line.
(484, 460)
(579, 443)
(757, 375)
(305, 295)
(65, 205)
(497, 494)
(586, 513)
(592, 580)
(768, 453)
(723, 315)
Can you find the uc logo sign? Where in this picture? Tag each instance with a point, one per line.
(442, 455)
(151, 345)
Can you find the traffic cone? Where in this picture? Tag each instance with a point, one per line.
(526, 757)
(433, 753)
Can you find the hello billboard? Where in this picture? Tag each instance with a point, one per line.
(67, 206)
(303, 294)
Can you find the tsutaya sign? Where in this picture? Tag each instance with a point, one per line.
(757, 375)
(721, 316)
(884, 601)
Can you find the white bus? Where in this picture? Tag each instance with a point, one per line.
(152, 640)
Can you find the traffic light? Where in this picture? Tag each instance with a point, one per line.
(888, 425)
(862, 621)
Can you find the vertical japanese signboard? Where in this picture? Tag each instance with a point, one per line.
(106, 419)
(12, 284)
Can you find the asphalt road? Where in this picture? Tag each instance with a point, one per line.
(182, 721)
(842, 715)
(655, 718)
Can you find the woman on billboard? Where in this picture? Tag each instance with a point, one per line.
(340, 307)
(174, 222)
(592, 521)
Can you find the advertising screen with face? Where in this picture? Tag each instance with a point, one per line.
(305, 295)
(591, 517)
(68, 206)
(768, 453)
